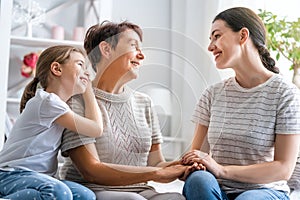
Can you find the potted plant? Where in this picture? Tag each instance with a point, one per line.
(283, 37)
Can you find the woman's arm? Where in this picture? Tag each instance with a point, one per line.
(286, 151)
(285, 157)
(156, 158)
(199, 147)
(199, 141)
(91, 125)
(86, 161)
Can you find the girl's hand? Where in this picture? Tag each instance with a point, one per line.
(88, 94)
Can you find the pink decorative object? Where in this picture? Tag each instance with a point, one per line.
(29, 64)
(58, 32)
(78, 33)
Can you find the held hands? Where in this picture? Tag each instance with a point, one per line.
(193, 156)
(204, 160)
(173, 172)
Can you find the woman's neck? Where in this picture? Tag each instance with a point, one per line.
(108, 85)
(253, 78)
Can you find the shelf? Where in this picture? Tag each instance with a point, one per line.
(13, 100)
(42, 42)
(173, 139)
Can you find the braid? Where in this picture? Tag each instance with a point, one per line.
(267, 60)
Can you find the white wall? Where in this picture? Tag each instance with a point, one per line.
(175, 43)
(176, 53)
(5, 10)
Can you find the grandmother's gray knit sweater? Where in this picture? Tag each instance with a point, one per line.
(130, 128)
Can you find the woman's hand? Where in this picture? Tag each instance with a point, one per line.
(171, 173)
(193, 156)
(194, 167)
(203, 160)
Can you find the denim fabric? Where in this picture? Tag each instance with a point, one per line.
(202, 185)
(29, 185)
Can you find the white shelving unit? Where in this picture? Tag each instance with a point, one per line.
(5, 24)
(38, 43)
(12, 100)
(41, 42)
(14, 46)
(172, 145)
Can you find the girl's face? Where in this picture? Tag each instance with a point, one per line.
(225, 45)
(75, 76)
(127, 56)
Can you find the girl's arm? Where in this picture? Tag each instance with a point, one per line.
(91, 125)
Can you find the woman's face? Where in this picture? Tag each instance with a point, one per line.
(127, 56)
(225, 45)
(75, 75)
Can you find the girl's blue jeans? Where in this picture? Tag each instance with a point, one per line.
(202, 185)
(22, 184)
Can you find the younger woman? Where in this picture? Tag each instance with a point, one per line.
(251, 120)
(29, 157)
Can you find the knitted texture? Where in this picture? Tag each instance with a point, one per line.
(130, 128)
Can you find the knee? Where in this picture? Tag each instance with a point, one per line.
(200, 178)
(199, 181)
(57, 190)
(202, 185)
(176, 196)
(84, 194)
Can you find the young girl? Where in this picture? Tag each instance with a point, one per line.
(29, 157)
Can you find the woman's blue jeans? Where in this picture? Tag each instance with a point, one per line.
(28, 185)
(202, 185)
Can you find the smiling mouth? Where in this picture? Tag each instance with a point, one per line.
(135, 63)
(217, 55)
(85, 80)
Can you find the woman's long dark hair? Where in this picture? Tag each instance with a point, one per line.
(240, 17)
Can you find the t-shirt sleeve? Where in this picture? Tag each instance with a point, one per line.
(51, 108)
(201, 113)
(288, 112)
(71, 139)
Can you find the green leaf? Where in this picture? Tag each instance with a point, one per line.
(283, 36)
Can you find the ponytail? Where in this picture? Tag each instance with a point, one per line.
(267, 60)
(60, 54)
(28, 93)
